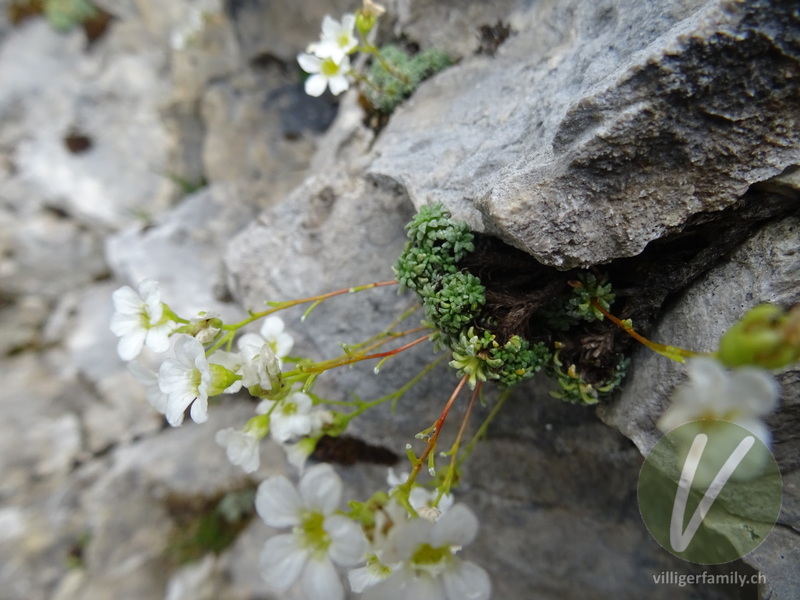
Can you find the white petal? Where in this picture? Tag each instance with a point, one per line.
(349, 23)
(320, 581)
(757, 428)
(125, 323)
(428, 588)
(126, 300)
(457, 527)
(321, 488)
(392, 588)
(402, 585)
(404, 539)
(158, 337)
(365, 577)
(330, 27)
(230, 360)
(315, 85)
(199, 410)
(302, 401)
(176, 406)
(249, 346)
(338, 84)
(283, 344)
(174, 377)
(281, 562)
(130, 345)
(187, 349)
(420, 497)
(278, 503)
(148, 290)
(309, 63)
(297, 454)
(264, 406)
(241, 448)
(705, 372)
(756, 390)
(467, 581)
(348, 544)
(149, 379)
(284, 428)
(394, 480)
(272, 327)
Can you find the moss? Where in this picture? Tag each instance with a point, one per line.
(386, 89)
(63, 15)
(207, 524)
(482, 308)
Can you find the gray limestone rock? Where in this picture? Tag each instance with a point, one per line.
(126, 510)
(764, 269)
(48, 254)
(298, 249)
(41, 436)
(634, 118)
(594, 129)
(260, 133)
(183, 251)
(116, 167)
(452, 26)
(553, 487)
(281, 29)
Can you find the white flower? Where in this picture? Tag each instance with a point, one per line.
(263, 369)
(186, 380)
(241, 447)
(319, 538)
(325, 72)
(272, 332)
(290, 417)
(706, 404)
(424, 564)
(337, 39)
(741, 396)
(152, 389)
(139, 319)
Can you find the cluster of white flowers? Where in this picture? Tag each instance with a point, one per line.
(417, 558)
(327, 60)
(401, 557)
(187, 379)
(407, 558)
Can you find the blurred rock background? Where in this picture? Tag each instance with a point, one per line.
(179, 145)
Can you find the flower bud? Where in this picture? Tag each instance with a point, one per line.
(764, 337)
(367, 16)
(221, 379)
